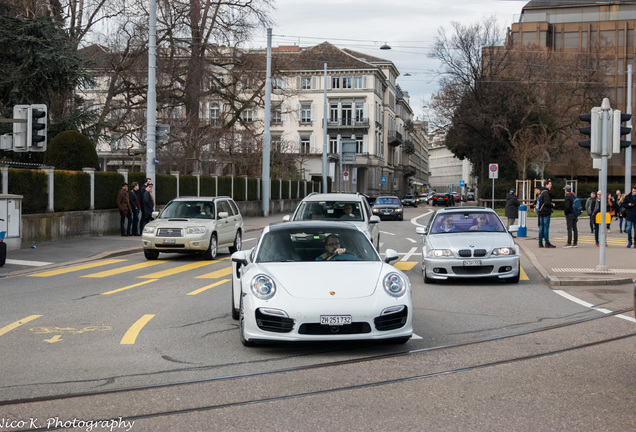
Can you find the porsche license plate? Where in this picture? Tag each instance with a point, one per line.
(335, 320)
(472, 263)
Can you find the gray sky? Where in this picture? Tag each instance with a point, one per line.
(408, 26)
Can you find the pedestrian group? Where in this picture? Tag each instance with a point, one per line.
(135, 207)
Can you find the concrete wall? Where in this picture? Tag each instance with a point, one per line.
(42, 227)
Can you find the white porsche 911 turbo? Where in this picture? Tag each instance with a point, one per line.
(319, 281)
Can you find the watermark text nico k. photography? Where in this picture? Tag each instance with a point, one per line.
(59, 423)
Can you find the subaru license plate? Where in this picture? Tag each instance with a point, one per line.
(335, 320)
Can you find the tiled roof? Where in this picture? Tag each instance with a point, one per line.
(557, 3)
(314, 58)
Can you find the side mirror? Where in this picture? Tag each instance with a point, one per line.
(513, 228)
(390, 255)
(240, 257)
(155, 214)
(421, 230)
(223, 215)
(286, 218)
(374, 219)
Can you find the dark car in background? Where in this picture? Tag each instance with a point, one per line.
(388, 207)
(470, 196)
(410, 200)
(443, 199)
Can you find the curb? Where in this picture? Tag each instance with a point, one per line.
(570, 281)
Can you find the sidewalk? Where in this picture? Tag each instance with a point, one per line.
(579, 266)
(559, 266)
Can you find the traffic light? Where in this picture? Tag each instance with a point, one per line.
(618, 131)
(20, 115)
(593, 130)
(36, 128)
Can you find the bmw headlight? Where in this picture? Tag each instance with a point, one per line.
(394, 285)
(440, 253)
(149, 230)
(263, 287)
(503, 251)
(195, 230)
(398, 210)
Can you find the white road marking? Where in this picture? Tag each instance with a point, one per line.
(591, 306)
(416, 337)
(414, 220)
(28, 263)
(387, 233)
(409, 254)
(411, 240)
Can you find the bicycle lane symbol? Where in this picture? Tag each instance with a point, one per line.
(57, 332)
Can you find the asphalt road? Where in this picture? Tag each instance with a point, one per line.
(486, 356)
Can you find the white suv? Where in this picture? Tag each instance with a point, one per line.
(194, 224)
(349, 207)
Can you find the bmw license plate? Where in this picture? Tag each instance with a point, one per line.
(472, 263)
(169, 241)
(335, 320)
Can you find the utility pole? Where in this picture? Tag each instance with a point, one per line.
(151, 108)
(628, 150)
(267, 137)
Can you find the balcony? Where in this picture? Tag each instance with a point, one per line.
(348, 123)
(395, 138)
(409, 147)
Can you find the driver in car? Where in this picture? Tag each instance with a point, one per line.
(482, 224)
(333, 249)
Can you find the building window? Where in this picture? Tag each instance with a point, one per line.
(346, 82)
(359, 144)
(333, 144)
(357, 82)
(276, 143)
(277, 113)
(347, 114)
(305, 83)
(359, 112)
(215, 113)
(305, 144)
(247, 115)
(584, 39)
(335, 82)
(333, 112)
(277, 83)
(529, 38)
(608, 38)
(305, 112)
(571, 40)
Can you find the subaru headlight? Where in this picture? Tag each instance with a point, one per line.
(503, 251)
(440, 253)
(195, 230)
(394, 285)
(149, 230)
(263, 287)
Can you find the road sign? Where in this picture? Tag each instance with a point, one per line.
(493, 170)
(462, 183)
(345, 175)
(383, 180)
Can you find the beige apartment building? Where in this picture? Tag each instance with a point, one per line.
(373, 144)
(581, 26)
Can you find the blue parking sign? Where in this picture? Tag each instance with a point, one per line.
(383, 180)
(462, 183)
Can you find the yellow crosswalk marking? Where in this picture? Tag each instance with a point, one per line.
(131, 335)
(8, 328)
(76, 268)
(129, 268)
(216, 274)
(176, 270)
(405, 265)
(129, 287)
(200, 290)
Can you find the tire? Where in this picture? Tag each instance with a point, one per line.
(151, 254)
(213, 249)
(244, 341)
(3, 253)
(235, 312)
(238, 242)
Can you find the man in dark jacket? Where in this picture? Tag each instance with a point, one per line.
(630, 217)
(545, 212)
(589, 208)
(149, 204)
(570, 218)
(512, 208)
(142, 191)
(134, 203)
(125, 210)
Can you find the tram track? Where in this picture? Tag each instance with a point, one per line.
(230, 380)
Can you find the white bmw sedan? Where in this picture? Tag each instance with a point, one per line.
(319, 281)
(468, 242)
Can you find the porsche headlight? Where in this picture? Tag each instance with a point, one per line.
(263, 287)
(394, 285)
(195, 230)
(503, 251)
(149, 230)
(440, 253)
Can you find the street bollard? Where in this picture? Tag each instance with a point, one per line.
(523, 221)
